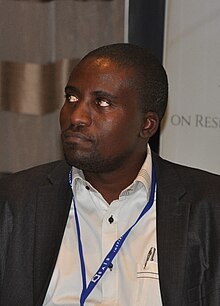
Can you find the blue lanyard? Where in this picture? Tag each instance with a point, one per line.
(115, 248)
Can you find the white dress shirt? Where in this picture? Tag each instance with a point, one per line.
(134, 279)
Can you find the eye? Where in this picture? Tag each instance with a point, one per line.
(103, 102)
(71, 98)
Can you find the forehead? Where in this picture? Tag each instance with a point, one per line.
(101, 70)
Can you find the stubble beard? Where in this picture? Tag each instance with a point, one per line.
(92, 161)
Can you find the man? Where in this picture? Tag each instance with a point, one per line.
(116, 224)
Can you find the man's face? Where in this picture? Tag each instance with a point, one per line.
(101, 118)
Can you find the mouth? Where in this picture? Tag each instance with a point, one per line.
(75, 137)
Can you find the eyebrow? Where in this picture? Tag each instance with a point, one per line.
(96, 93)
(70, 89)
(104, 94)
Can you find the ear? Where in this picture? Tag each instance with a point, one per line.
(150, 125)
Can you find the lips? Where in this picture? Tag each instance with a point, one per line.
(75, 137)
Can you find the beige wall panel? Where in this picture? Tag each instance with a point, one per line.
(83, 26)
(26, 31)
(41, 33)
(28, 140)
(44, 32)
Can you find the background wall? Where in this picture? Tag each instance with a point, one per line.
(40, 41)
(191, 133)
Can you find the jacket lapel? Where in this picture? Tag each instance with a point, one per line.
(172, 229)
(53, 204)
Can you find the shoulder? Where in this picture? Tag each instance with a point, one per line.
(184, 171)
(29, 179)
(196, 181)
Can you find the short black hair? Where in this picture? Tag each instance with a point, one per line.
(150, 78)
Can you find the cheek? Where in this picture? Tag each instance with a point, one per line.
(127, 133)
(64, 121)
(115, 134)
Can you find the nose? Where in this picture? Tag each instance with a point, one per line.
(81, 114)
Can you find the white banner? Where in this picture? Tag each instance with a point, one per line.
(191, 130)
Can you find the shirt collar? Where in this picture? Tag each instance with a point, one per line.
(143, 177)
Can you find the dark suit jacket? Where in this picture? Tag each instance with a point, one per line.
(34, 206)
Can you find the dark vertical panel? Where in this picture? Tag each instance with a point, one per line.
(146, 28)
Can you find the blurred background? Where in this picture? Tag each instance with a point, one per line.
(41, 41)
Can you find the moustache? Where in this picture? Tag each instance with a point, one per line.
(77, 133)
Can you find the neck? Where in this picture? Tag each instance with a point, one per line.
(111, 184)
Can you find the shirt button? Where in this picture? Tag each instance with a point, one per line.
(110, 266)
(87, 187)
(111, 219)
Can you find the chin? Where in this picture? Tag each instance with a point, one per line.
(84, 164)
(93, 162)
